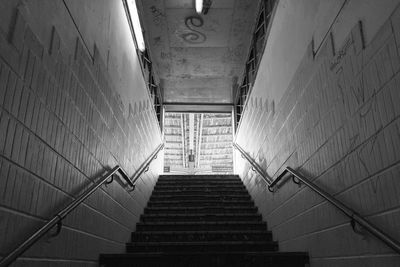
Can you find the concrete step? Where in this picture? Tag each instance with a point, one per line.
(199, 182)
(187, 177)
(200, 203)
(209, 259)
(195, 210)
(215, 191)
(157, 217)
(188, 187)
(222, 235)
(207, 197)
(201, 246)
(201, 226)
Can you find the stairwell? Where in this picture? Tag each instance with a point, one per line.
(207, 220)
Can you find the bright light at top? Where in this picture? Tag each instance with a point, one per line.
(136, 24)
(199, 6)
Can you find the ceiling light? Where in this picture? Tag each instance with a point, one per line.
(136, 24)
(199, 6)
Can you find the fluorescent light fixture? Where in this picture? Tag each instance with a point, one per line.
(199, 6)
(136, 24)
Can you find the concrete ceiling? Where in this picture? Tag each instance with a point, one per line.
(198, 58)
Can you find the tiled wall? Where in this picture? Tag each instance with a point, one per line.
(61, 126)
(338, 123)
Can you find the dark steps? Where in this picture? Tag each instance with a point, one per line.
(199, 178)
(208, 259)
(200, 197)
(202, 221)
(199, 203)
(230, 192)
(196, 182)
(204, 246)
(200, 226)
(195, 210)
(222, 235)
(199, 187)
(199, 217)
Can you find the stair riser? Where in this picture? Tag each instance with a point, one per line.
(198, 187)
(199, 177)
(201, 227)
(190, 183)
(141, 247)
(199, 218)
(207, 236)
(204, 197)
(196, 210)
(209, 260)
(199, 180)
(196, 204)
(211, 210)
(199, 193)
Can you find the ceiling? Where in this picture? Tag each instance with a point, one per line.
(198, 58)
(208, 137)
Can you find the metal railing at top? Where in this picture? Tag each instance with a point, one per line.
(57, 219)
(298, 178)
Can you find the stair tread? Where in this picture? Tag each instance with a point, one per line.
(199, 208)
(204, 194)
(236, 181)
(202, 175)
(150, 254)
(202, 223)
(211, 259)
(191, 187)
(200, 214)
(203, 200)
(200, 197)
(200, 243)
(207, 232)
(204, 182)
(197, 192)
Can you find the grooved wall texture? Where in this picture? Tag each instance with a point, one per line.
(61, 126)
(338, 123)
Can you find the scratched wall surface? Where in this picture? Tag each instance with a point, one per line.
(339, 123)
(62, 124)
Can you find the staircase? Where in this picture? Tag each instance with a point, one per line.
(207, 220)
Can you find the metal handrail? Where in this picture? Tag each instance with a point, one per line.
(354, 216)
(57, 219)
(145, 166)
(254, 164)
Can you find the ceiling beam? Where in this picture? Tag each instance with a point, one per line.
(201, 107)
